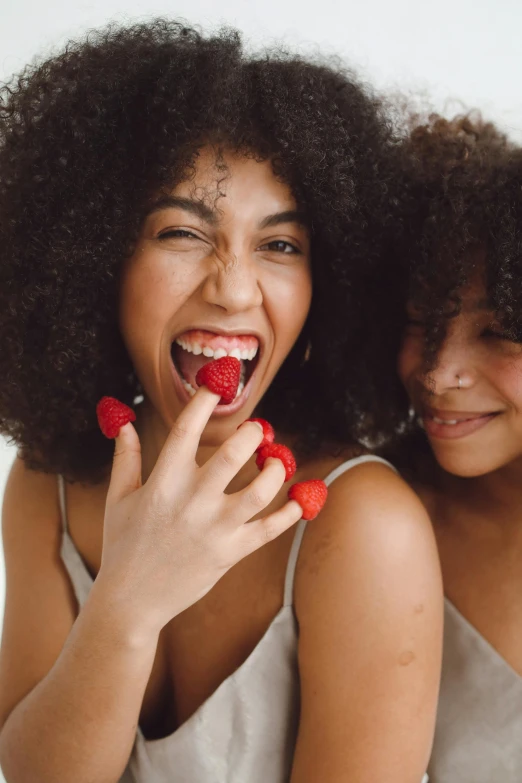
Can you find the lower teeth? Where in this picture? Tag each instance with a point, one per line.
(191, 390)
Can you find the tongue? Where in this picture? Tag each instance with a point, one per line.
(189, 365)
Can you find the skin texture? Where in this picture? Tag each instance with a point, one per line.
(368, 585)
(231, 276)
(472, 491)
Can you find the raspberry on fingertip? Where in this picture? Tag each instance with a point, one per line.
(311, 496)
(222, 377)
(113, 415)
(268, 432)
(278, 451)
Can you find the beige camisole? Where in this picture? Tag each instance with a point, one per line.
(478, 737)
(245, 732)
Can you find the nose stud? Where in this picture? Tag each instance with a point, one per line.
(459, 382)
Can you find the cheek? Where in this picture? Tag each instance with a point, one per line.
(409, 360)
(506, 377)
(148, 297)
(292, 301)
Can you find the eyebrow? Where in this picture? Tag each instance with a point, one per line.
(201, 210)
(484, 304)
(196, 207)
(289, 216)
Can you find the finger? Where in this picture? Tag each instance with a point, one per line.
(126, 465)
(259, 493)
(261, 531)
(183, 439)
(231, 456)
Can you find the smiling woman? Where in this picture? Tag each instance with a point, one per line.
(166, 201)
(461, 364)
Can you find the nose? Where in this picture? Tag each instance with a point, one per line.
(453, 368)
(232, 284)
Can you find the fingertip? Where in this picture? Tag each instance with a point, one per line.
(204, 393)
(269, 461)
(295, 508)
(126, 437)
(250, 421)
(126, 430)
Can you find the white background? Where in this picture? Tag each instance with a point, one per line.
(454, 52)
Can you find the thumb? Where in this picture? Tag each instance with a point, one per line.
(126, 465)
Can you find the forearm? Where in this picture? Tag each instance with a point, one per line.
(79, 723)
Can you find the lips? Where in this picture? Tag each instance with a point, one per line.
(450, 425)
(192, 349)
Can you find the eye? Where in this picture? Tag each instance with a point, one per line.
(495, 333)
(280, 246)
(180, 233)
(414, 324)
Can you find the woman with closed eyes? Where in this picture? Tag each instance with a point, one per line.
(461, 365)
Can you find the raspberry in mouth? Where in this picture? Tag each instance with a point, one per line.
(191, 350)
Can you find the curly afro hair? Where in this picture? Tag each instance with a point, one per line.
(462, 222)
(89, 135)
(467, 221)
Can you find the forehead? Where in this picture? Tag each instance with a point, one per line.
(471, 299)
(219, 177)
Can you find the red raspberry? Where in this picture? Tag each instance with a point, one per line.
(112, 415)
(311, 496)
(277, 451)
(221, 377)
(268, 432)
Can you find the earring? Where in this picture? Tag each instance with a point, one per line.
(307, 353)
(138, 389)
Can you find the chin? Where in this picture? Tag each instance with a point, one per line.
(466, 466)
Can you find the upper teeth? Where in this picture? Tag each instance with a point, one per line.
(445, 421)
(219, 353)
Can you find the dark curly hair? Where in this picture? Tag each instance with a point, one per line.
(89, 135)
(462, 220)
(467, 191)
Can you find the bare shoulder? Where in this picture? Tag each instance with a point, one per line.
(368, 599)
(30, 504)
(372, 516)
(40, 605)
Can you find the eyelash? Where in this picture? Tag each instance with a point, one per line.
(494, 335)
(178, 233)
(293, 250)
(488, 333)
(182, 233)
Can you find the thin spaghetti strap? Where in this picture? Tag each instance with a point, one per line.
(63, 507)
(352, 463)
(292, 562)
(301, 526)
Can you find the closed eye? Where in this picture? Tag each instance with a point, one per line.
(498, 334)
(177, 232)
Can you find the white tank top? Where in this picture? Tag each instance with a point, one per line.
(245, 732)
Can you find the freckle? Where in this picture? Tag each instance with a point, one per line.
(406, 658)
(419, 609)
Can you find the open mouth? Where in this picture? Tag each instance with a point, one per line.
(193, 349)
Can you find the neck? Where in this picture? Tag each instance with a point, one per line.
(496, 496)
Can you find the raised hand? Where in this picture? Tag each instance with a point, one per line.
(167, 542)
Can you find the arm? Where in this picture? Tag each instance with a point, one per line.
(369, 602)
(66, 687)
